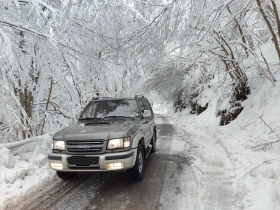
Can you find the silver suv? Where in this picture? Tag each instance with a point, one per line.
(111, 134)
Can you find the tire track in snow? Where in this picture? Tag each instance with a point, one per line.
(181, 187)
(215, 170)
(61, 189)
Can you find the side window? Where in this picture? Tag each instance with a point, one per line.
(147, 105)
(88, 112)
(142, 108)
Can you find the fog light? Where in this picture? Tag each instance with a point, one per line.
(57, 165)
(114, 166)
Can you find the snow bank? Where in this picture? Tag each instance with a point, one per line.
(18, 173)
(255, 173)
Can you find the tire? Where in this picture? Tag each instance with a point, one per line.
(66, 175)
(154, 142)
(137, 172)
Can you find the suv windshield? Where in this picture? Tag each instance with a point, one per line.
(111, 108)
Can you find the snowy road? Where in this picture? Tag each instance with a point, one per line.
(169, 183)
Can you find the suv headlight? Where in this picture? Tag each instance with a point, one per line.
(119, 143)
(59, 145)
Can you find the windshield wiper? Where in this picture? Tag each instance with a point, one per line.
(114, 116)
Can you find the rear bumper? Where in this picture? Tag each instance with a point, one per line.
(106, 161)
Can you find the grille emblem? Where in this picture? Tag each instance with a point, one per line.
(83, 146)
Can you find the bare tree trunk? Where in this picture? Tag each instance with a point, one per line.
(47, 105)
(276, 16)
(226, 65)
(240, 31)
(270, 75)
(26, 101)
(21, 100)
(29, 103)
(25, 98)
(237, 72)
(274, 37)
(227, 68)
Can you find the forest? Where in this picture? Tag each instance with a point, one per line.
(55, 56)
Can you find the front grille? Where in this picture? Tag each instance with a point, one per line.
(85, 146)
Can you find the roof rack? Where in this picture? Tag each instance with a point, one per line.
(102, 97)
(139, 96)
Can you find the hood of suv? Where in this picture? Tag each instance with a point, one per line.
(96, 130)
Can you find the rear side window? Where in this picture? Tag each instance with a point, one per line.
(147, 105)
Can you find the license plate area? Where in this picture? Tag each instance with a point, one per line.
(82, 160)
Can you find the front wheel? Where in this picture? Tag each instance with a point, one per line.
(66, 175)
(137, 172)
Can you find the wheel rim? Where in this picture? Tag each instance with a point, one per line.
(140, 162)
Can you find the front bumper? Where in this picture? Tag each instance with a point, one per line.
(127, 159)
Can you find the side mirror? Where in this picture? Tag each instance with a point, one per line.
(147, 113)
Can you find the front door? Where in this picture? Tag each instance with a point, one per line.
(144, 124)
(147, 121)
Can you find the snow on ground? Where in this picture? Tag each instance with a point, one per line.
(225, 164)
(20, 173)
(229, 173)
(180, 188)
(214, 184)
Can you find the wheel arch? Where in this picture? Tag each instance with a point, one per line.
(139, 138)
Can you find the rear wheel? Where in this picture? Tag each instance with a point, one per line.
(137, 172)
(66, 175)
